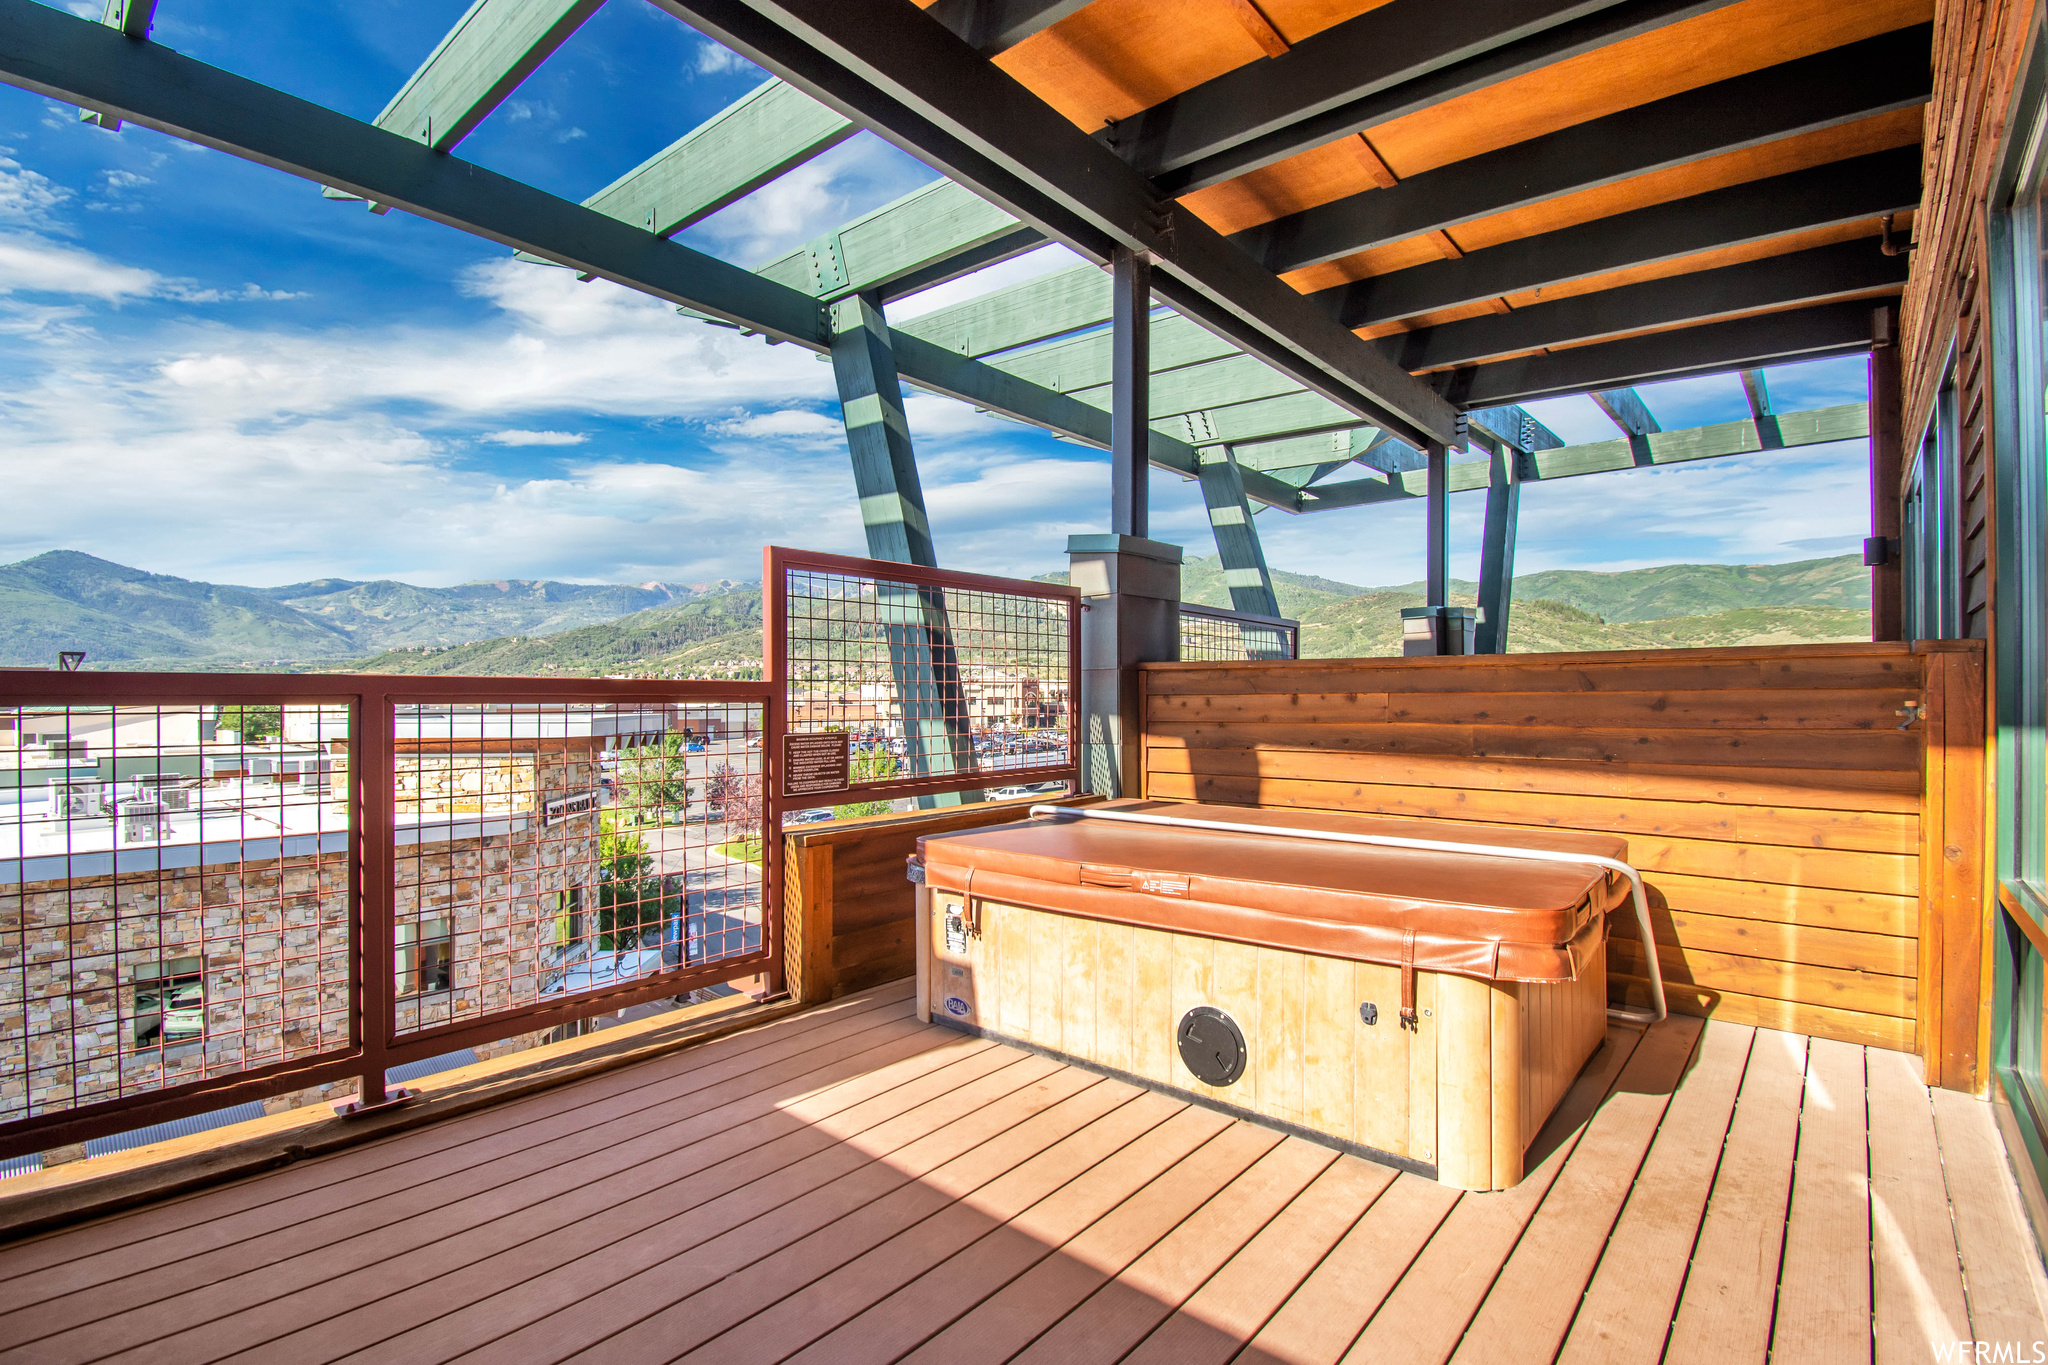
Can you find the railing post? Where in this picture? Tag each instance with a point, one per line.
(376, 932)
(1130, 605)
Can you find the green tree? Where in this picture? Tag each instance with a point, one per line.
(251, 723)
(632, 900)
(654, 776)
(878, 765)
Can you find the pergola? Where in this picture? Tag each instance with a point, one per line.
(1328, 244)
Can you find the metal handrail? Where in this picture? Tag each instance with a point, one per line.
(375, 1045)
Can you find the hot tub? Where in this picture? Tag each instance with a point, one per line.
(1417, 1005)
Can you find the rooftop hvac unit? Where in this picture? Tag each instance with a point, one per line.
(76, 801)
(141, 821)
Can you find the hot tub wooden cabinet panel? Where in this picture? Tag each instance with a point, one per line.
(1462, 1094)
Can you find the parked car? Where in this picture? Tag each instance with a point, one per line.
(805, 817)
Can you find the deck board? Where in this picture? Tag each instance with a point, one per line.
(1629, 1305)
(848, 1185)
(1725, 1315)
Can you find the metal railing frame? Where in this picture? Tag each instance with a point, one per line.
(1290, 628)
(777, 562)
(375, 1044)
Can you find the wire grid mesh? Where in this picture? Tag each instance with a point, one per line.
(929, 681)
(1222, 637)
(545, 850)
(174, 896)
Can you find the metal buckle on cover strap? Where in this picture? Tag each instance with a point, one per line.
(1408, 1019)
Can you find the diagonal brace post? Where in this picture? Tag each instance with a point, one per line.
(923, 660)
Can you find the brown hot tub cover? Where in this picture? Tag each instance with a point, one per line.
(1497, 918)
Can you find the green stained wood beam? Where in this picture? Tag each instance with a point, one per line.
(1850, 422)
(1050, 306)
(932, 224)
(1264, 419)
(771, 129)
(1295, 452)
(132, 17)
(1216, 383)
(491, 49)
(1079, 363)
(775, 127)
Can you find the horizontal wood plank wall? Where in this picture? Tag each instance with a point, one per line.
(849, 913)
(1767, 794)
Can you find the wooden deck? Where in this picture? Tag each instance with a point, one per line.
(850, 1185)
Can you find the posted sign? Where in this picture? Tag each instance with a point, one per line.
(814, 765)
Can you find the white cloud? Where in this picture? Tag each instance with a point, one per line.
(536, 438)
(795, 423)
(715, 59)
(26, 196)
(31, 264)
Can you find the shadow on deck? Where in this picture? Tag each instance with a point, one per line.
(850, 1185)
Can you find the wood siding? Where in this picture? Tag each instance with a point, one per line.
(1768, 795)
(1978, 50)
(849, 915)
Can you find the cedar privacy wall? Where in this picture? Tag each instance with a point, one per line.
(1811, 865)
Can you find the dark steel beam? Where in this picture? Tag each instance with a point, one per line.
(1257, 115)
(1712, 348)
(1862, 187)
(1497, 552)
(992, 26)
(1130, 419)
(1377, 52)
(1874, 76)
(1436, 519)
(912, 81)
(1814, 276)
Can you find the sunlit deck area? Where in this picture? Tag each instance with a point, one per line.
(848, 1184)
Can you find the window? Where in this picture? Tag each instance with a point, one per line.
(426, 954)
(1932, 553)
(170, 1002)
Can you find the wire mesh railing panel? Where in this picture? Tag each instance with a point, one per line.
(175, 898)
(545, 851)
(1209, 635)
(937, 681)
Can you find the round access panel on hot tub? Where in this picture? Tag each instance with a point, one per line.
(1211, 1045)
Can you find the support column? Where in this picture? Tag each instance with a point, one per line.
(878, 436)
(1237, 538)
(1887, 468)
(1497, 550)
(1436, 536)
(937, 738)
(1131, 393)
(1130, 594)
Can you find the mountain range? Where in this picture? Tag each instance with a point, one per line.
(136, 619)
(129, 618)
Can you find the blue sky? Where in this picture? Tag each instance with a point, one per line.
(207, 369)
